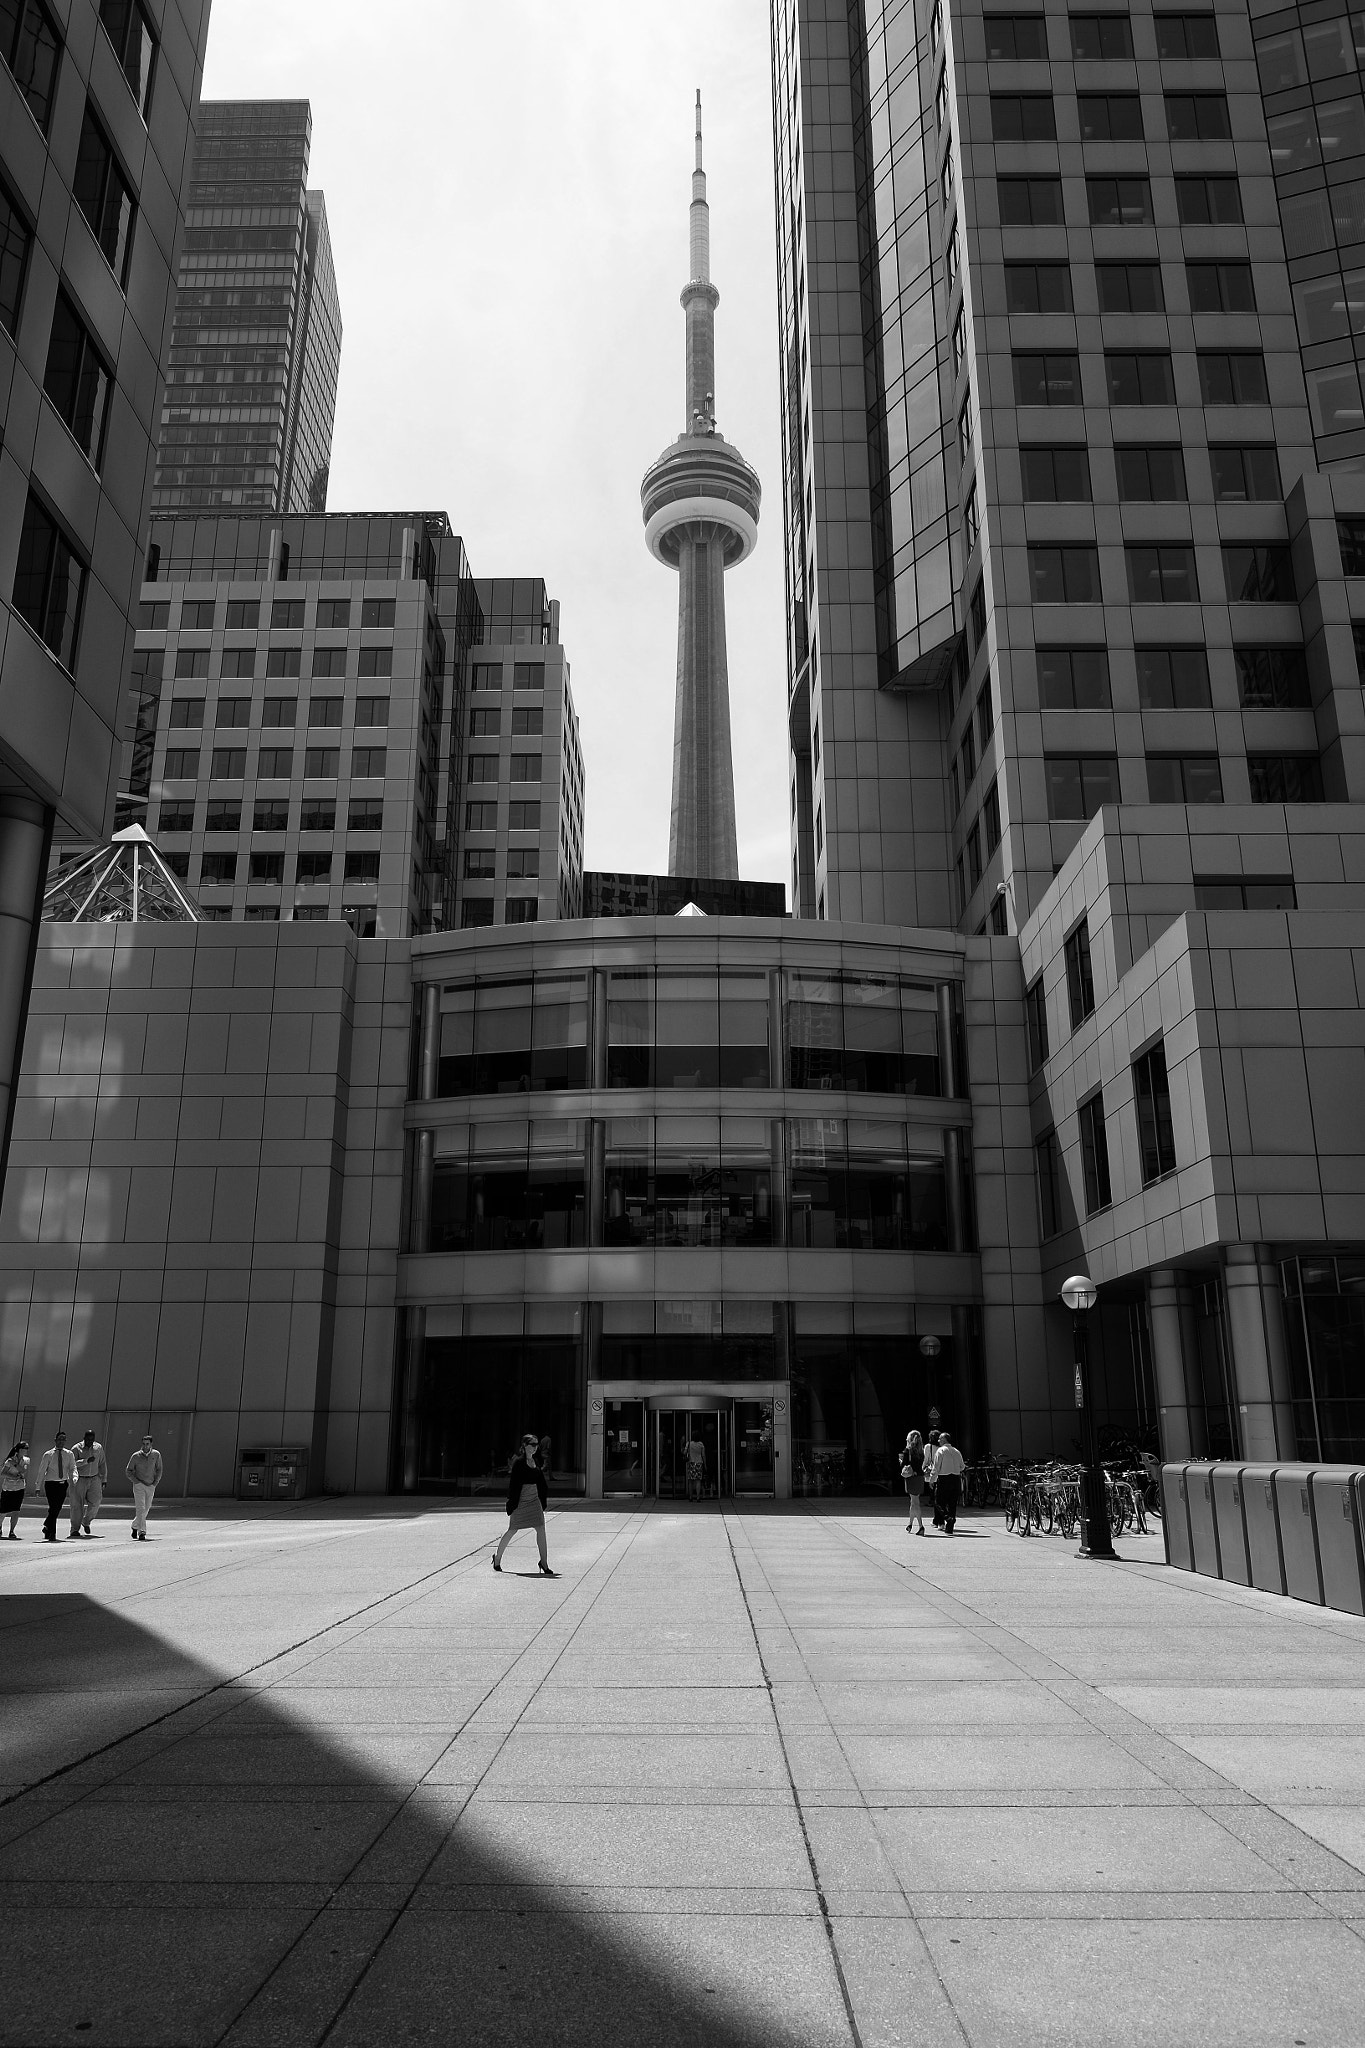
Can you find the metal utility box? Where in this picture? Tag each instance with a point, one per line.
(1175, 1520)
(251, 1475)
(1262, 1524)
(1203, 1533)
(289, 1473)
(1336, 1513)
(1298, 1535)
(1227, 1515)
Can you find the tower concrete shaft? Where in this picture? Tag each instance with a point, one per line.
(700, 503)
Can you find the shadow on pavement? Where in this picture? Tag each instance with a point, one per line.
(209, 1869)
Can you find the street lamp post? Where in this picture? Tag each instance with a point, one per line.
(1080, 1294)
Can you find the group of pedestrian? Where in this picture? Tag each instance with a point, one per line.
(80, 1474)
(932, 1466)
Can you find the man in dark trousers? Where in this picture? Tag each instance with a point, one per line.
(526, 1497)
(948, 1470)
(55, 1475)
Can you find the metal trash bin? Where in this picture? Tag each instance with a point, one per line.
(251, 1475)
(1203, 1534)
(1298, 1533)
(1175, 1520)
(1262, 1523)
(289, 1472)
(1231, 1528)
(1338, 1526)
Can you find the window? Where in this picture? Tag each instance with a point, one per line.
(1064, 575)
(49, 583)
(314, 867)
(1186, 35)
(1184, 779)
(15, 242)
(1100, 38)
(1208, 202)
(102, 195)
(198, 614)
(520, 910)
(266, 867)
(376, 611)
(952, 262)
(218, 867)
(1139, 377)
(365, 815)
(528, 675)
(947, 178)
(1118, 202)
(819, 830)
(523, 863)
(985, 716)
(329, 661)
(191, 661)
(1079, 784)
(1161, 574)
(1351, 542)
(959, 339)
(371, 710)
(182, 764)
(232, 712)
(322, 761)
(282, 661)
(368, 761)
(481, 817)
(31, 47)
(362, 867)
(1156, 1134)
(324, 711)
(524, 817)
(1110, 116)
(333, 612)
(941, 98)
(1265, 893)
(1232, 377)
(525, 767)
(1051, 377)
(1038, 288)
(1080, 980)
(1173, 678)
(271, 816)
(1197, 117)
(936, 27)
(1030, 202)
(1035, 1017)
(375, 661)
(179, 818)
(1245, 476)
(481, 768)
(76, 379)
(153, 618)
(1022, 37)
(485, 721)
(527, 718)
(1220, 288)
(1055, 476)
(223, 817)
(134, 44)
(186, 712)
(1130, 288)
(275, 764)
(287, 611)
(1259, 572)
(1022, 117)
(968, 755)
(1285, 778)
(480, 863)
(971, 520)
(1048, 1158)
(1094, 1155)
(239, 662)
(1073, 678)
(1273, 676)
(978, 613)
(228, 763)
(243, 612)
(279, 711)
(990, 818)
(964, 431)
(1150, 476)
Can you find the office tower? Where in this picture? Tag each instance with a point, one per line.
(293, 696)
(700, 503)
(251, 382)
(613, 894)
(521, 829)
(96, 124)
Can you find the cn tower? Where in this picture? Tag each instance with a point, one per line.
(700, 503)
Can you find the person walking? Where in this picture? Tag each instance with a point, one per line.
(144, 1469)
(696, 1468)
(92, 1473)
(931, 1473)
(13, 1486)
(948, 1470)
(55, 1475)
(526, 1498)
(912, 1471)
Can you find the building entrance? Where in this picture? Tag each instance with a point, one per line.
(691, 1454)
(685, 1446)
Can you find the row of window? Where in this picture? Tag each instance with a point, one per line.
(201, 614)
(236, 664)
(1156, 1145)
(1110, 117)
(1127, 287)
(273, 764)
(270, 814)
(1121, 200)
(526, 675)
(521, 863)
(1161, 572)
(476, 913)
(523, 815)
(314, 866)
(1100, 38)
(485, 723)
(1148, 473)
(1139, 377)
(484, 768)
(280, 712)
(1171, 678)
(1079, 784)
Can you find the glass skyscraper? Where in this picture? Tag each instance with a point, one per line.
(252, 378)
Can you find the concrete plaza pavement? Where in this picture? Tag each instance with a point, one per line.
(772, 1775)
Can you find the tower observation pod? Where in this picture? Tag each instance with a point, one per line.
(700, 502)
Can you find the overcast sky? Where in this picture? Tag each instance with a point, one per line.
(507, 187)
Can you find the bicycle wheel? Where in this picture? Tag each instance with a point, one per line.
(1045, 1512)
(1011, 1508)
(1139, 1514)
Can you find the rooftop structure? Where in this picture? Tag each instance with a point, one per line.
(125, 882)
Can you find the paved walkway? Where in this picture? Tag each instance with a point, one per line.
(766, 1777)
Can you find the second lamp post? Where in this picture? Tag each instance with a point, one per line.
(1080, 1294)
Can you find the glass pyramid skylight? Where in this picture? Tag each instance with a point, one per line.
(125, 882)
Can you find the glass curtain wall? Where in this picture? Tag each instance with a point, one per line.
(1324, 1318)
(479, 1392)
(860, 1381)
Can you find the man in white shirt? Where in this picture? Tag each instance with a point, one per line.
(92, 1470)
(55, 1474)
(144, 1469)
(948, 1470)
